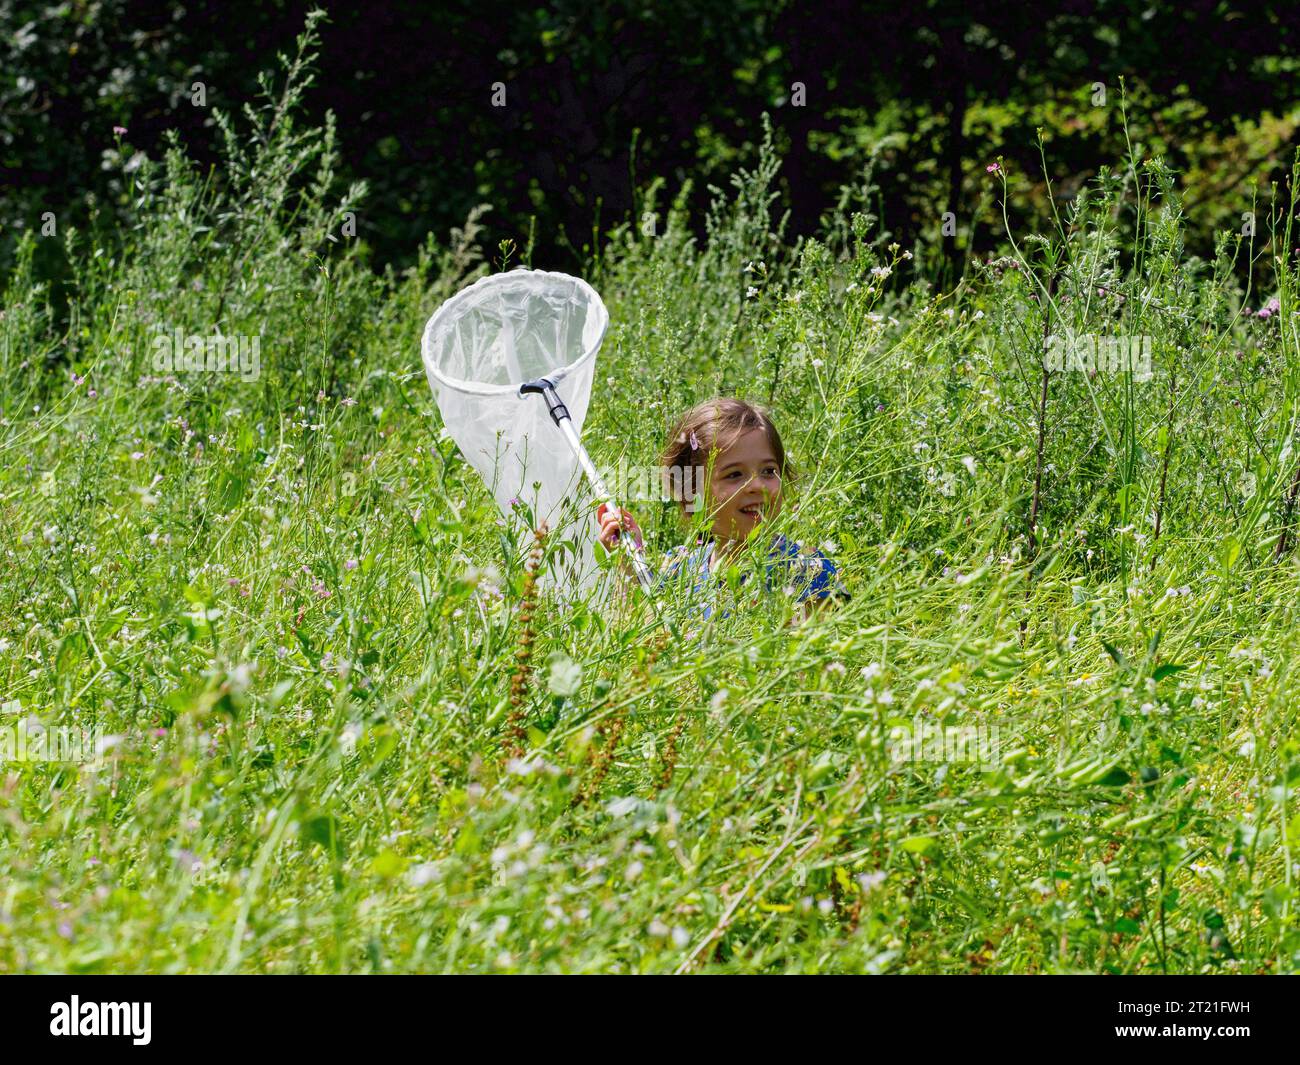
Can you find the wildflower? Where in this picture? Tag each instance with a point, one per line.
(993, 168)
(871, 881)
(119, 131)
(350, 564)
(751, 292)
(136, 455)
(817, 363)
(969, 463)
(881, 271)
(907, 255)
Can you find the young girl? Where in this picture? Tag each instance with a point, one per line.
(741, 449)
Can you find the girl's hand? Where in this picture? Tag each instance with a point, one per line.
(610, 526)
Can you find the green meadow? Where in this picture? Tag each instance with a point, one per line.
(334, 724)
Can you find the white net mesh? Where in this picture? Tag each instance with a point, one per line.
(478, 348)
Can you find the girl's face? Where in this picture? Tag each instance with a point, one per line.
(746, 487)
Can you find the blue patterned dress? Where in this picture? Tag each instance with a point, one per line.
(811, 575)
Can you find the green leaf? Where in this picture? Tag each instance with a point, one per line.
(1229, 550)
(323, 829)
(387, 864)
(918, 844)
(565, 677)
(1167, 670)
(1116, 654)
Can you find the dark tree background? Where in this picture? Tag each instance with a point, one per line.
(603, 95)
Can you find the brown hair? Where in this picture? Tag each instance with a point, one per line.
(711, 426)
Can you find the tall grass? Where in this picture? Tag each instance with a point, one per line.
(294, 612)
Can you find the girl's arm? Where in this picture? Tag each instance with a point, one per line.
(612, 526)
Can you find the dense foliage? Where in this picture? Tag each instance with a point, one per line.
(597, 95)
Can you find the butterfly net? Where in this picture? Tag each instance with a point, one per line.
(478, 348)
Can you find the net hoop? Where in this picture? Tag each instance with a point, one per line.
(481, 292)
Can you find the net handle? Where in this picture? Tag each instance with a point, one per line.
(545, 387)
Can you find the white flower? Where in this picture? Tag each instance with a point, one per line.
(817, 363)
(105, 743)
(751, 292)
(424, 873)
(969, 463)
(719, 699)
(871, 881)
(872, 670)
(881, 271)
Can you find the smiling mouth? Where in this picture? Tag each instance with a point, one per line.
(752, 511)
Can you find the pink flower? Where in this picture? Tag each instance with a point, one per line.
(350, 564)
(119, 131)
(993, 168)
